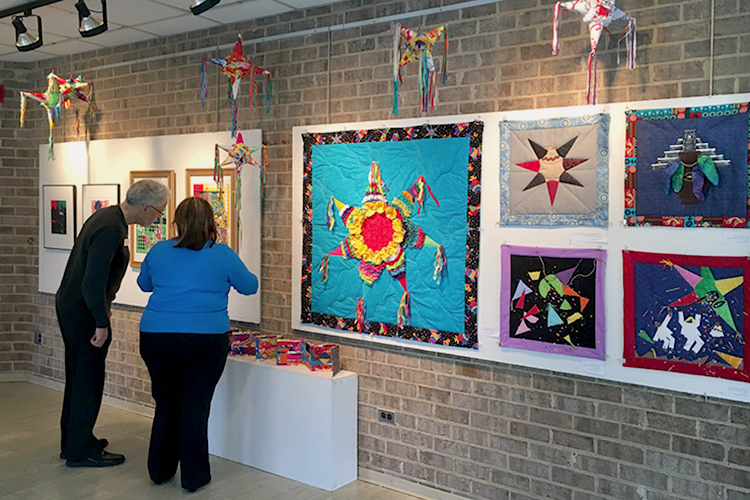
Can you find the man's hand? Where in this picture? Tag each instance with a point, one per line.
(100, 337)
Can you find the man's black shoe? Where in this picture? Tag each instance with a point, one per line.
(101, 459)
(102, 442)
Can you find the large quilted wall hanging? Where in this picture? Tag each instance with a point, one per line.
(684, 313)
(687, 167)
(391, 231)
(554, 171)
(552, 300)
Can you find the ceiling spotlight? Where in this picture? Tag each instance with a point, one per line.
(87, 25)
(24, 41)
(201, 6)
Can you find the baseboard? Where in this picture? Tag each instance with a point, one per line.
(12, 377)
(136, 408)
(405, 486)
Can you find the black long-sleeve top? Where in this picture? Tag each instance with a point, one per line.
(96, 266)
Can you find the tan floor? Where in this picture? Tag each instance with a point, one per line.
(30, 468)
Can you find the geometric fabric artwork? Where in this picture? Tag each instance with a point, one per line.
(552, 300)
(221, 197)
(391, 232)
(687, 167)
(554, 171)
(685, 313)
(142, 239)
(58, 216)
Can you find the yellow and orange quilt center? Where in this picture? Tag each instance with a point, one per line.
(375, 232)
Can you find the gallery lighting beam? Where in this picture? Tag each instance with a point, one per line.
(24, 41)
(87, 25)
(201, 6)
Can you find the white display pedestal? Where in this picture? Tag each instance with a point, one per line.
(287, 420)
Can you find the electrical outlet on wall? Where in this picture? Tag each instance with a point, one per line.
(38, 338)
(387, 417)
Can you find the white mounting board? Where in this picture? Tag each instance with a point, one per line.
(110, 161)
(614, 239)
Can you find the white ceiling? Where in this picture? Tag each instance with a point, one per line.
(129, 21)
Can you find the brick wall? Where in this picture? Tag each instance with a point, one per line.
(479, 430)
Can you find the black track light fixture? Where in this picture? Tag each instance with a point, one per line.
(201, 6)
(88, 25)
(24, 41)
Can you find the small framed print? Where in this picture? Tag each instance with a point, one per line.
(200, 182)
(59, 216)
(97, 196)
(143, 238)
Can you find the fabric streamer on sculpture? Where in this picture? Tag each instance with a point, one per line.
(239, 154)
(60, 94)
(236, 67)
(418, 47)
(598, 14)
(379, 232)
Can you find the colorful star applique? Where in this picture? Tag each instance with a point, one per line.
(379, 231)
(708, 290)
(552, 167)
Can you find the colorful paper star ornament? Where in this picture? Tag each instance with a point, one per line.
(598, 14)
(236, 67)
(240, 154)
(418, 47)
(60, 94)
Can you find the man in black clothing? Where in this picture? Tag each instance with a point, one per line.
(92, 276)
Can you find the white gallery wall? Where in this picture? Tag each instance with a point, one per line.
(614, 239)
(111, 161)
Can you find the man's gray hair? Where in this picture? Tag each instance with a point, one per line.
(147, 192)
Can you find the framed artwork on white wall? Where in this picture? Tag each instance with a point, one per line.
(143, 238)
(97, 196)
(200, 182)
(59, 216)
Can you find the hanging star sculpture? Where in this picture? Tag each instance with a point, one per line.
(379, 231)
(418, 47)
(598, 15)
(709, 291)
(552, 167)
(236, 67)
(60, 94)
(239, 154)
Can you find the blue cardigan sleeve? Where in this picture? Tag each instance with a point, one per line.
(144, 277)
(240, 277)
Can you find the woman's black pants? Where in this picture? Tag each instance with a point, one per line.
(184, 369)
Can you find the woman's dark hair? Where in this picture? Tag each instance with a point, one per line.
(195, 222)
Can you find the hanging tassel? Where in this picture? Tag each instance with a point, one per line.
(253, 90)
(269, 87)
(445, 56)
(403, 310)
(630, 43)
(263, 169)
(362, 324)
(50, 149)
(591, 89)
(440, 261)
(234, 117)
(23, 108)
(77, 125)
(237, 207)
(330, 214)
(396, 67)
(556, 29)
(218, 171)
(204, 85)
(323, 268)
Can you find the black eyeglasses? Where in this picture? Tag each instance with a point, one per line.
(161, 212)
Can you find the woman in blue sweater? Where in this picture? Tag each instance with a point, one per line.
(184, 338)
